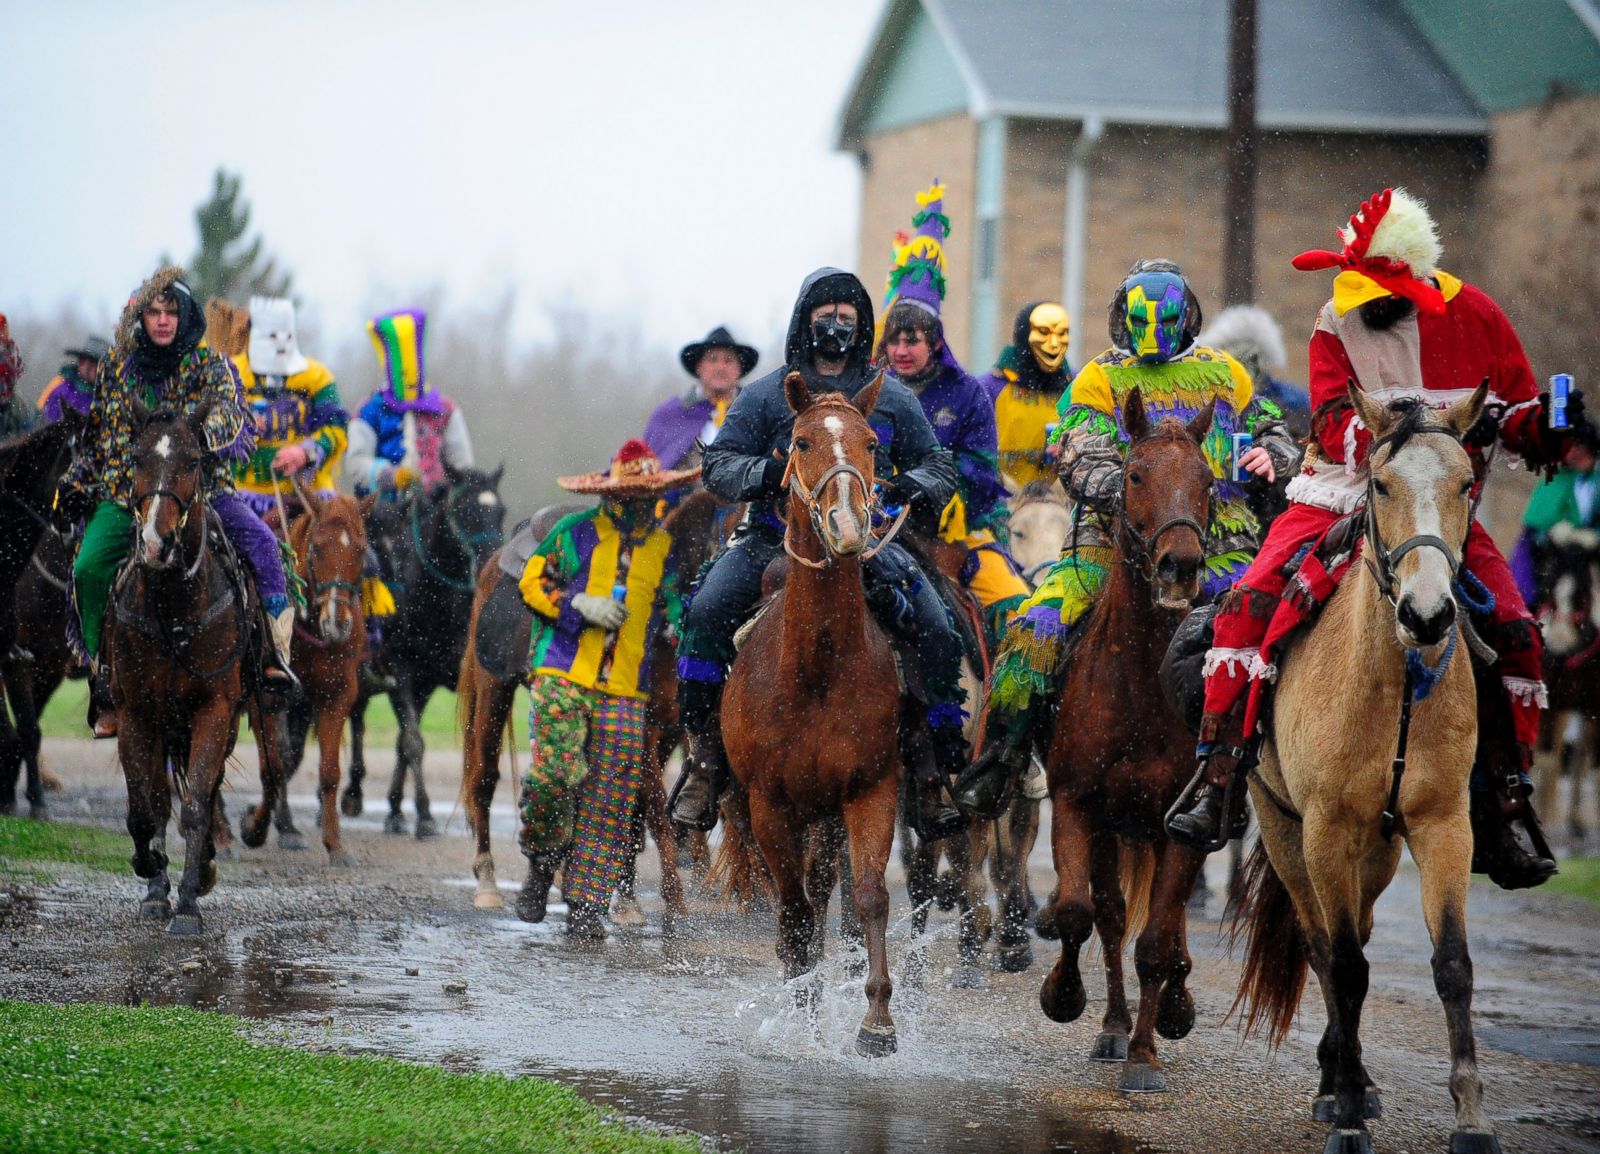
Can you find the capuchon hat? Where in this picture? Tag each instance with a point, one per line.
(718, 338)
(917, 274)
(398, 339)
(635, 472)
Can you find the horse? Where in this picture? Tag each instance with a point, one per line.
(1569, 616)
(330, 542)
(436, 544)
(1118, 758)
(30, 467)
(182, 644)
(812, 703)
(1357, 759)
(1040, 520)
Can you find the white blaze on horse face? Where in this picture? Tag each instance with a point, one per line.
(1560, 630)
(845, 526)
(488, 499)
(163, 447)
(148, 535)
(1424, 573)
(344, 538)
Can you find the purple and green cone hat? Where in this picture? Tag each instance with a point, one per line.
(918, 271)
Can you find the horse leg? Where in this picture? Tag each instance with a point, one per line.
(822, 874)
(920, 861)
(966, 852)
(254, 825)
(400, 697)
(329, 719)
(351, 804)
(1014, 835)
(1062, 995)
(652, 809)
(10, 755)
(491, 705)
(783, 847)
(869, 819)
(1443, 850)
(411, 738)
(1161, 959)
(149, 807)
(1111, 923)
(284, 726)
(206, 754)
(19, 682)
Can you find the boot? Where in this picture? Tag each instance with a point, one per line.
(102, 710)
(1496, 849)
(279, 676)
(931, 815)
(693, 803)
(1216, 813)
(535, 893)
(984, 788)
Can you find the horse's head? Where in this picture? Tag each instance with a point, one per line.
(1166, 500)
(1039, 523)
(830, 473)
(168, 462)
(474, 513)
(1567, 604)
(1418, 509)
(331, 539)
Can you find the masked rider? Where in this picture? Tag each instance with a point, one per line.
(957, 407)
(295, 410)
(1154, 318)
(74, 383)
(159, 361)
(1406, 332)
(1026, 388)
(829, 345)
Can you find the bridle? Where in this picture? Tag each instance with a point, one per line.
(1382, 560)
(1144, 545)
(810, 496)
(184, 509)
(334, 593)
(470, 543)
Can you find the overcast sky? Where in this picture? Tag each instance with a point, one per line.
(670, 161)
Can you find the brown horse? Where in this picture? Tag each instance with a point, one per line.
(810, 711)
(181, 644)
(329, 541)
(1120, 761)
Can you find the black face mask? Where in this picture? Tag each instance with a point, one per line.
(832, 335)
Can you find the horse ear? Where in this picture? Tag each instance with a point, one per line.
(367, 504)
(797, 392)
(494, 477)
(1011, 487)
(197, 420)
(451, 473)
(1200, 426)
(1376, 417)
(1462, 415)
(1134, 419)
(867, 399)
(139, 412)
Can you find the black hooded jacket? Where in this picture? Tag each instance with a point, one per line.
(759, 423)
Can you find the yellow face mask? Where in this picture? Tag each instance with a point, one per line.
(1049, 333)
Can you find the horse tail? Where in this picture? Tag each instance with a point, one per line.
(467, 699)
(1276, 958)
(1136, 863)
(737, 875)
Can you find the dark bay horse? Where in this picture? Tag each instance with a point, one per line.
(30, 467)
(1119, 757)
(182, 646)
(435, 545)
(812, 704)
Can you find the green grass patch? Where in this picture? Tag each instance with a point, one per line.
(23, 841)
(1579, 878)
(64, 717)
(76, 1078)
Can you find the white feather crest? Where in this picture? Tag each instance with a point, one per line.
(1407, 233)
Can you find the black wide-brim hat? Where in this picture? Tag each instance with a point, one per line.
(718, 338)
(92, 347)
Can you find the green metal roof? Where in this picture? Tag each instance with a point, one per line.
(1510, 53)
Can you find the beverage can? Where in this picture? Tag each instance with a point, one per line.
(1560, 390)
(1241, 446)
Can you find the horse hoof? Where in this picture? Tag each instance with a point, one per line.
(184, 926)
(876, 1041)
(1473, 1142)
(350, 804)
(1325, 1107)
(1062, 999)
(341, 859)
(967, 977)
(1142, 1078)
(394, 823)
(1175, 1016)
(39, 812)
(1014, 959)
(426, 827)
(291, 839)
(253, 835)
(628, 915)
(488, 900)
(1110, 1048)
(208, 878)
(1044, 924)
(155, 909)
(1351, 1142)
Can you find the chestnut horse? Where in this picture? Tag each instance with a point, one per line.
(812, 704)
(1119, 757)
(329, 540)
(182, 644)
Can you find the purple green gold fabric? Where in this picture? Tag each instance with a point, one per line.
(917, 272)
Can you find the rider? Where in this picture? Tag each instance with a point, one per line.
(600, 584)
(1154, 317)
(1569, 500)
(682, 424)
(74, 383)
(956, 406)
(1026, 388)
(1249, 335)
(294, 405)
(159, 360)
(1407, 331)
(828, 343)
(15, 415)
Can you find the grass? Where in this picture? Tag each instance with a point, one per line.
(78, 1078)
(1579, 878)
(23, 841)
(64, 717)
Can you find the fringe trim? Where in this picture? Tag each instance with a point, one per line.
(1525, 692)
(1238, 661)
(1263, 671)
(1306, 489)
(1350, 446)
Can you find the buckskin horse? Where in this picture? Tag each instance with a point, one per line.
(811, 707)
(1357, 760)
(182, 646)
(1118, 757)
(436, 544)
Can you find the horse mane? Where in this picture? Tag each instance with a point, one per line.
(1413, 420)
(1037, 491)
(1167, 429)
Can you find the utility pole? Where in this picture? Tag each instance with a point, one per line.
(1239, 235)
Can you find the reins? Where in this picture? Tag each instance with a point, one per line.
(469, 545)
(810, 496)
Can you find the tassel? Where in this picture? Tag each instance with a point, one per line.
(376, 600)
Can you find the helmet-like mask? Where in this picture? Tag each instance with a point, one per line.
(274, 349)
(1154, 312)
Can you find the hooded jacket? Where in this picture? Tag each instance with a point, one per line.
(760, 423)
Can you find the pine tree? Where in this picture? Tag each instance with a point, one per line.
(226, 265)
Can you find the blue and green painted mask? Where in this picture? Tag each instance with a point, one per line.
(1154, 309)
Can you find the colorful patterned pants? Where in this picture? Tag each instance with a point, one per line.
(578, 794)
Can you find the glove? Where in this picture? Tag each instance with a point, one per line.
(72, 505)
(290, 459)
(602, 611)
(1555, 440)
(902, 490)
(890, 606)
(772, 475)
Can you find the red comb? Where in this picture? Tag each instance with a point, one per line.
(633, 450)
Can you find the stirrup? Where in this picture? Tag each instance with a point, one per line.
(967, 792)
(1226, 819)
(948, 821)
(705, 822)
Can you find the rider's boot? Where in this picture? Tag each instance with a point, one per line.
(1206, 823)
(102, 710)
(693, 803)
(933, 757)
(984, 788)
(1496, 848)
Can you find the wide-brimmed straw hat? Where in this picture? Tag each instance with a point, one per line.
(635, 472)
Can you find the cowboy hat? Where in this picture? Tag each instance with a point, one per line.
(718, 338)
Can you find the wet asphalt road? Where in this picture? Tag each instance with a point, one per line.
(694, 1029)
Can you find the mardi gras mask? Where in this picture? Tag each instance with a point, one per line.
(1154, 313)
(832, 335)
(274, 349)
(1049, 333)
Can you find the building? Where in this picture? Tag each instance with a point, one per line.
(1075, 136)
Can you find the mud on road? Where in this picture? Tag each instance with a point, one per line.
(694, 1028)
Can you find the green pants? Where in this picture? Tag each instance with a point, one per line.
(105, 544)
